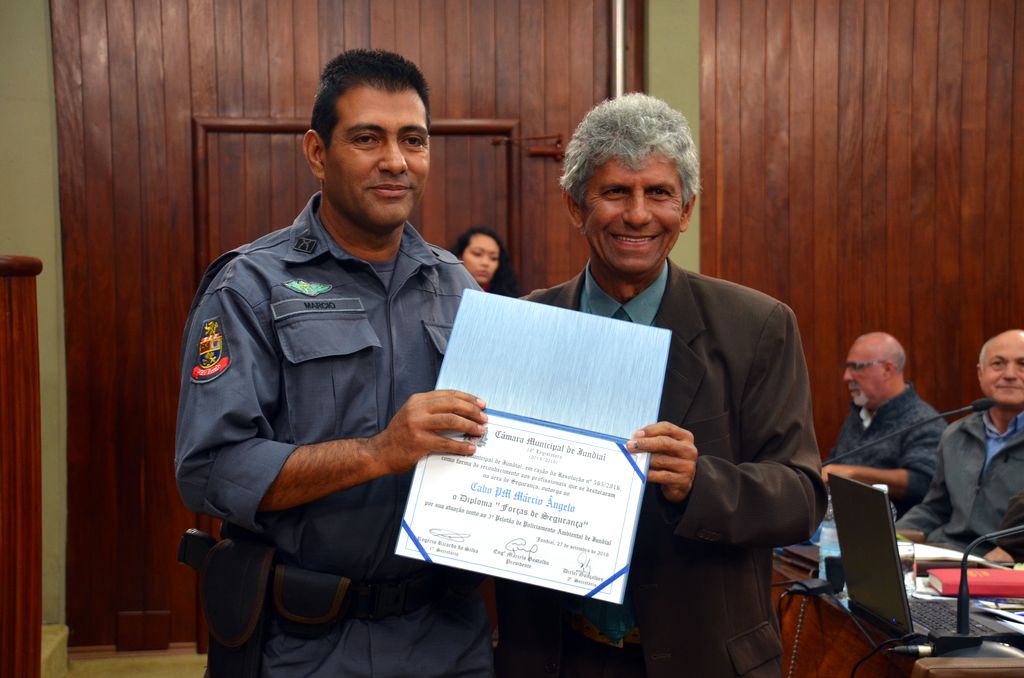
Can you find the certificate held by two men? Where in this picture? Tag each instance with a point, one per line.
(551, 497)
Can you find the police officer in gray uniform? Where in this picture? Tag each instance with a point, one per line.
(308, 364)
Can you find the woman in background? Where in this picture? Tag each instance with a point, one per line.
(485, 257)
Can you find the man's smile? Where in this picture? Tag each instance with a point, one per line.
(390, 190)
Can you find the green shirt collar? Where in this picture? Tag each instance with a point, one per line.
(641, 309)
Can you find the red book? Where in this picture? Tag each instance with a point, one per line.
(983, 582)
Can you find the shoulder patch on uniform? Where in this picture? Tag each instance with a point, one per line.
(304, 245)
(212, 359)
(308, 288)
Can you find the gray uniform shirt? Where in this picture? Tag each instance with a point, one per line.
(291, 340)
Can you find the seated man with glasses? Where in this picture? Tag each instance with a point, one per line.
(883, 402)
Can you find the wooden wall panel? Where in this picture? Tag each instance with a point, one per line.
(752, 188)
(824, 213)
(947, 183)
(998, 135)
(972, 194)
(925, 302)
(132, 79)
(1016, 240)
(776, 144)
(21, 556)
(85, 338)
(127, 282)
(555, 101)
(801, 190)
(862, 162)
(710, 131)
(530, 105)
(897, 171)
(850, 161)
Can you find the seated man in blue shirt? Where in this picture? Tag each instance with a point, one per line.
(981, 457)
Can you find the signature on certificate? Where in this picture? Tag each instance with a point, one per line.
(449, 535)
(519, 544)
(583, 560)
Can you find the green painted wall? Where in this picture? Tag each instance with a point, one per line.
(30, 226)
(673, 74)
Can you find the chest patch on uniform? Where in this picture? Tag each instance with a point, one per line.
(304, 245)
(308, 288)
(212, 358)
(287, 307)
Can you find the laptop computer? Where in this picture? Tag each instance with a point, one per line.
(874, 578)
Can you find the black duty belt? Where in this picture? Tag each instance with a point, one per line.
(389, 599)
(309, 597)
(308, 603)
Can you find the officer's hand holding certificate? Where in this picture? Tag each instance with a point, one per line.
(551, 496)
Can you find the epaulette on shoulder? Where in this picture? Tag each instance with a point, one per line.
(268, 240)
(444, 255)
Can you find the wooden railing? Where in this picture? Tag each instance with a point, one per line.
(20, 487)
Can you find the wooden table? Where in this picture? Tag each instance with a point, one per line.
(829, 643)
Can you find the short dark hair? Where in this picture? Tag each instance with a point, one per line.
(504, 281)
(363, 67)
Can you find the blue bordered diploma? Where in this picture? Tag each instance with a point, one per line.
(538, 502)
(551, 497)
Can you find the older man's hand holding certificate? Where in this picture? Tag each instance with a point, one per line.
(551, 496)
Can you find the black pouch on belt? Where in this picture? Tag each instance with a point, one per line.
(233, 589)
(308, 603)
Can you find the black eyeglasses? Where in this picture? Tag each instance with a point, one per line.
(858, 366)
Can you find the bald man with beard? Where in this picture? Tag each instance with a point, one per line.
(884, 402)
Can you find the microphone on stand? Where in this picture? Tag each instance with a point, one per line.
(963, 595)
(979, 405)
(962, 643)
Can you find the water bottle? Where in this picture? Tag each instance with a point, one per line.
(885, 488)
(828, 541)
(828, 546)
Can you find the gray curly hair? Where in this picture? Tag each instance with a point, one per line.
(630, 128)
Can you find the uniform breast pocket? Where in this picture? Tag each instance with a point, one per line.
(437, 341)
(330, 375)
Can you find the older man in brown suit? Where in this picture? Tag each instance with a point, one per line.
(735, 469)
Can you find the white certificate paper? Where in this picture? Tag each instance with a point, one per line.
(551, 497)
(539, 503)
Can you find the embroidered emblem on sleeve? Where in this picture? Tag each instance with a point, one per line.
(308, 288)
(213, 356)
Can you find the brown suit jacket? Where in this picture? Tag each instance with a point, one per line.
(701, 570)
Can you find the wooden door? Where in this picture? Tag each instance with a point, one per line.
(177, 127)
